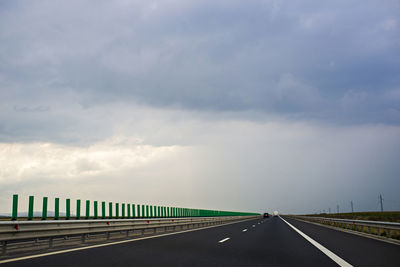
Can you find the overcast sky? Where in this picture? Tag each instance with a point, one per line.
(232, 105)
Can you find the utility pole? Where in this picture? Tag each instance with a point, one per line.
(337, 207)
(351, 203)
(381, 200)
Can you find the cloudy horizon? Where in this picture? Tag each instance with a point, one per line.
(229, 105)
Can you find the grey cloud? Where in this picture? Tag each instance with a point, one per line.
(226, 56)
(31, 109)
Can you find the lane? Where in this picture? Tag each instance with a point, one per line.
(358, 250)
(266, 242)
(273, 243)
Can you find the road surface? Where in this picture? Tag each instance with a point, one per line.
(261, 242)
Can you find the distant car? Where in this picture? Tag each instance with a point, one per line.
(276, 213)
(266, 215)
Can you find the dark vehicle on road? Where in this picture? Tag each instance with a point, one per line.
(266, 215)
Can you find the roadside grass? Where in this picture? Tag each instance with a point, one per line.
(385, 216)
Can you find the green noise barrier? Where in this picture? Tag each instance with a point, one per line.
(127, 211)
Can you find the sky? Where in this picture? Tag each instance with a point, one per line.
(229, 105)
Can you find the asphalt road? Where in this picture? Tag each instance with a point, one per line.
(266, 242)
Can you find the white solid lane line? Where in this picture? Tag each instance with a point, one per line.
(327, 252)
(223, 240)
(254, 225)
(244, 230)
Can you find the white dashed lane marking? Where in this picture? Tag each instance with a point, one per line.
(223, 240)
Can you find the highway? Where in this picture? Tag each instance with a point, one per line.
(261, 242)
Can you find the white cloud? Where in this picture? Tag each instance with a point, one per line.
(21, 161)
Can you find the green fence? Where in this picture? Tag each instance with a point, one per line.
(123, 211)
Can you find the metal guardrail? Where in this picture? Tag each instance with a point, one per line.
(357, 225)
(44, 234)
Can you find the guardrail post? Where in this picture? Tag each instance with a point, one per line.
(142, 211)
(133, 211)
(151, 211)
(87, 209)
(147, 211)
(95, 208)
(138, 211)
(103, 209)
(15, 208)
(110, 213)
(78, 209)
(68, 208)
(123, 211)
(56, 208)
(30, 209)
(158, 212)
(116, 210)
(128, 209)
(44, 208)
